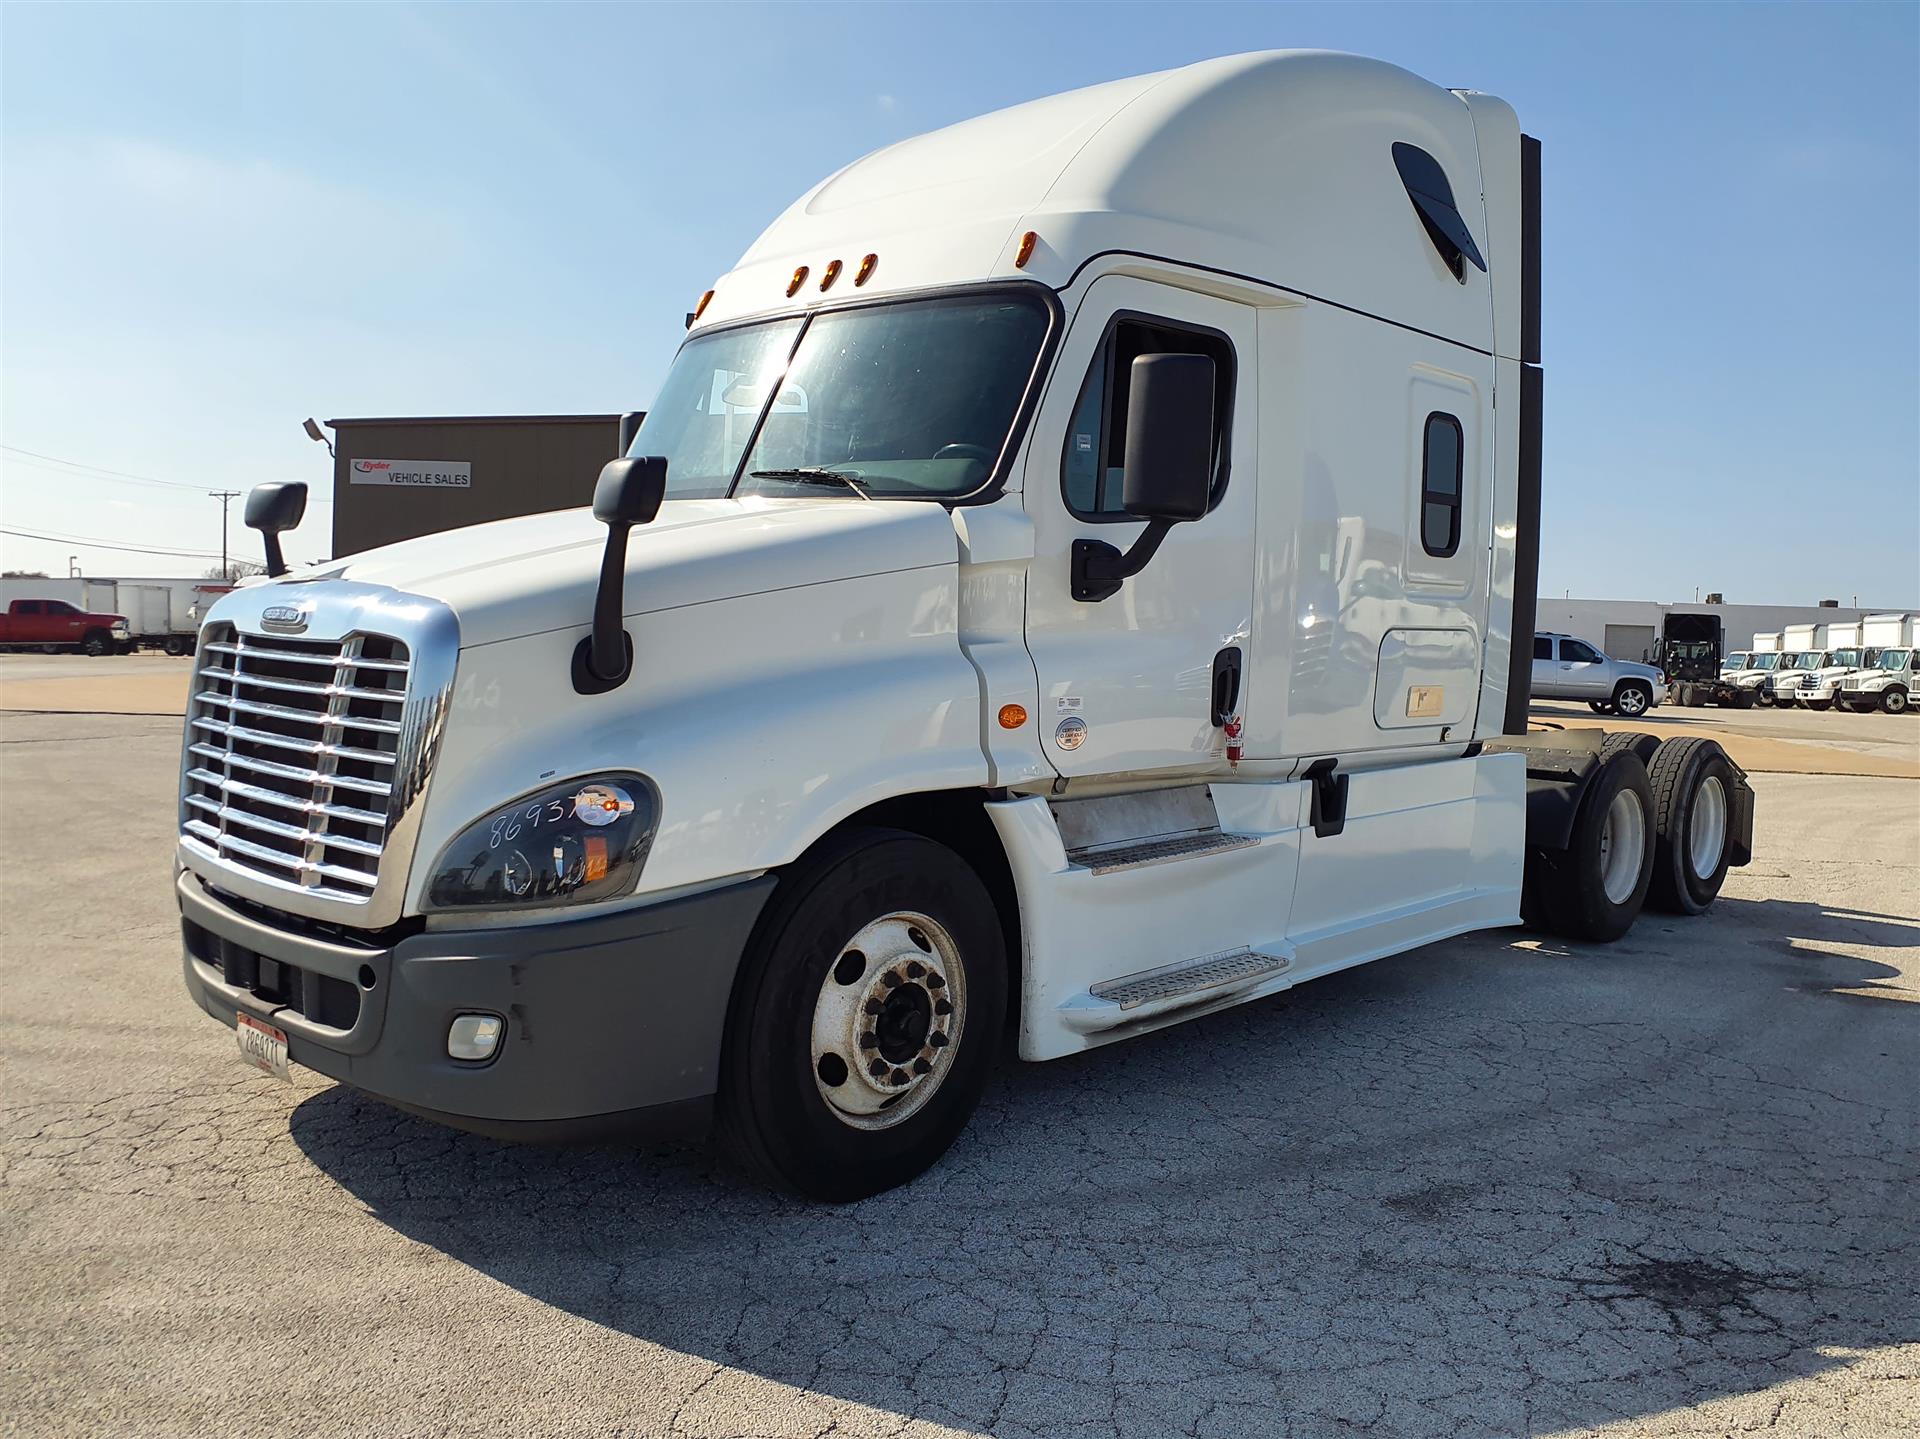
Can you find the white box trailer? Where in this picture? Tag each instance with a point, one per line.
(1056, 578)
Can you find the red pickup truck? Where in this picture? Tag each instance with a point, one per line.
(57, 625)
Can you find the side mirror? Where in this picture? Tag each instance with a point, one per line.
(628, 493)
(1169, 454)
(272, 508)
(1169, 467)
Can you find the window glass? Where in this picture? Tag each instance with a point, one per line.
(28, 607)
(910, 399)
(1440, 486)
(1094, 467)
(1580, 652)
(710, 402)
(60, 607)
(1542, 648)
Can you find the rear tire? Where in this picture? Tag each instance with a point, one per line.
(1693, 783)
(176, 646)
(1631, 699)
(799, 1105)
(1744, 700)
(1594, 888)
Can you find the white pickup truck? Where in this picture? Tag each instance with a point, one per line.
(1059, 586)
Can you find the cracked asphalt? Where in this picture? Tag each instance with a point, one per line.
(1499, 1186)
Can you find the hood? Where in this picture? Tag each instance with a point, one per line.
(1634, 667)
(538, 573)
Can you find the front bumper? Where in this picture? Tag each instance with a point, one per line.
(613, 1022)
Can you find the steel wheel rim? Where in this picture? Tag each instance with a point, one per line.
(894, 997)
(1707, 829)
(1631, 702)
(1623, 843)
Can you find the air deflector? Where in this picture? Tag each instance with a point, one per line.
(1432, 198)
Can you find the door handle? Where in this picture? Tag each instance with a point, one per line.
(1226, 685)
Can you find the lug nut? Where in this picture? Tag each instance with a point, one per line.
(873, 1006)
(877, 1068)
(934, 981)
(915, 970)
(937, 1039)
(920, 1066)
(890, 979)
(940, 1006)
(869, 1040)
(899, 1076)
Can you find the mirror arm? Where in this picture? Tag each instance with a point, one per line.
(1099, 569)
(276, 560)
(603, 660)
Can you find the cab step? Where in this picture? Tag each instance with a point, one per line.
(1160, 849)
(1131, 998)
(1119, 832)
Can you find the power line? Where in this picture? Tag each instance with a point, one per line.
(75, 469)
(94, 544)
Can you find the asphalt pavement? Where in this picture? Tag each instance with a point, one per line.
(1498, 1186)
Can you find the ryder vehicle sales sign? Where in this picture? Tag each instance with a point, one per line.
(417, 474)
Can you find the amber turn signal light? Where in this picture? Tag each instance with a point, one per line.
(701, 308)
(799, 279)
(1012, 716)
(1025, 252)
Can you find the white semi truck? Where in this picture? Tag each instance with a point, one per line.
(1061, 584)
(1887, 683)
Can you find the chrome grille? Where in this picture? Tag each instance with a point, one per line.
(295, 765)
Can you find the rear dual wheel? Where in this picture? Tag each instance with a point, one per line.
(865, 1018)
(1693, 793)
(1594, 888)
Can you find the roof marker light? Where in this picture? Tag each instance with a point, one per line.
(701, 308)
(799, 279)
(830, 274)
(865, 272)
(1025, 252)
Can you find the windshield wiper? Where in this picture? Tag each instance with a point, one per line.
(813, 474)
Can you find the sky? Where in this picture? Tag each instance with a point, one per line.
(217, 221)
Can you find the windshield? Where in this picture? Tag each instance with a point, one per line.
(1896, 659)
(1848, 659)
(1798, 660)
(1737, 660)
(1766, 661)
(908, 400)
(1690, 649)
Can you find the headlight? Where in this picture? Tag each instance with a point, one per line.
(569, 844)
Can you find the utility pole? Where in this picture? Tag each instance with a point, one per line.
(226, 497)
(73, 567)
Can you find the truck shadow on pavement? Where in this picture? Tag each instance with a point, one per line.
(1498, 1186)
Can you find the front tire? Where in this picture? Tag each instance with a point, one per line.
(1893, 701)
(95, 644)
(1594, 888)
(1765, 698)
(1818, 704)
(1632, 699)
(866, 1017)
(1601, 707)
(1693, 782)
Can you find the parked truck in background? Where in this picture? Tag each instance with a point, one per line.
(1887, 682)
(1820, 679)
(1059, 586)
(1689, 655)
(55, 625)
(1802, 647)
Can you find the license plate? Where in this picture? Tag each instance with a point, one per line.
(262, 1046)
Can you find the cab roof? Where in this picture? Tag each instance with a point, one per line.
(1279, 166)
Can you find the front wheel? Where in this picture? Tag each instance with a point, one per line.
(1601, 707)
(95, 644)
(1632, 700)
(1893, 701)
(865, 1018)
(1813, 704)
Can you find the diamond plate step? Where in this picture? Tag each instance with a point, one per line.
(1222, 973)
(1163, 849)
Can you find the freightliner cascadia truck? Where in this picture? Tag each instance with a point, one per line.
(1077, 574)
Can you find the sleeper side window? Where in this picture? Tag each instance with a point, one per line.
(1440, 485)
(1092, 469)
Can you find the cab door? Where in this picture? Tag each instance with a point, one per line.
(1583, 670)
(1130, 683)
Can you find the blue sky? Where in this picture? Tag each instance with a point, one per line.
(217, 221)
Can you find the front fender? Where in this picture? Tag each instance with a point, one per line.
(763, 720)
